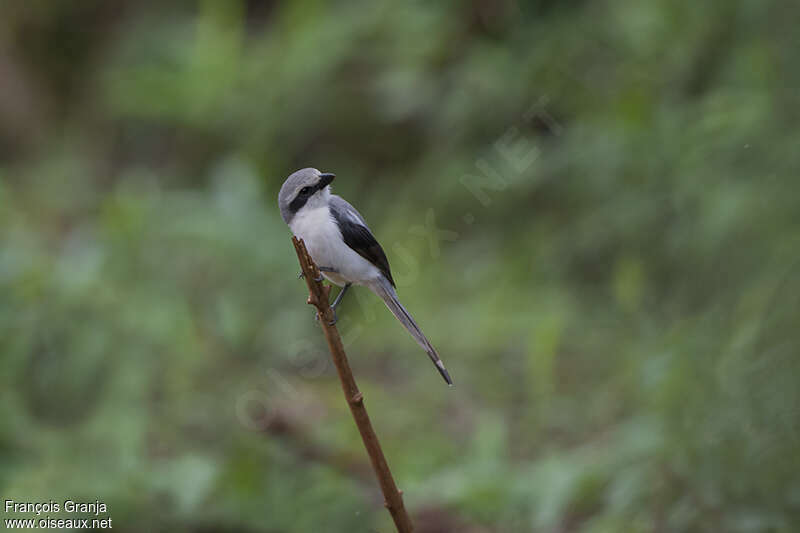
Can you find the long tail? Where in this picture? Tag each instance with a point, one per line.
(386, 292)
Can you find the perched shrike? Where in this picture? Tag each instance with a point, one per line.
(342, 246)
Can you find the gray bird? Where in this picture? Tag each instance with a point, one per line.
(343, 247)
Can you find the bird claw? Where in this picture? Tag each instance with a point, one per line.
(332, 322)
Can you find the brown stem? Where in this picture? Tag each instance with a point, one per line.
(319, 298)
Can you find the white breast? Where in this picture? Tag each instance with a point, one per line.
(324, 242)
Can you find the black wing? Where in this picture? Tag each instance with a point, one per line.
(357, 235)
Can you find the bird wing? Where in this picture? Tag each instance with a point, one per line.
(356, 235)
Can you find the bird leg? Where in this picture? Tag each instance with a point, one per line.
(339, 297)
(335, 305)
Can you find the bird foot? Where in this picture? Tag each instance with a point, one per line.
(332, 322)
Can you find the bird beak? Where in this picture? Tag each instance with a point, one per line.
(325, 179)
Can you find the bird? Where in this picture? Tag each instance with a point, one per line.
(343, 247)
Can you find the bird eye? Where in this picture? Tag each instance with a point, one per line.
(305, 190)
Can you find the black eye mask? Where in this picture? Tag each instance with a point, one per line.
(308, 191)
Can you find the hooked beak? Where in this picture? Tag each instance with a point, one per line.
(325, 179)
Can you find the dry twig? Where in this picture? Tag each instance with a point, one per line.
(319, 298)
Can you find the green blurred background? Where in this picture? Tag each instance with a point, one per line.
(589, 207)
